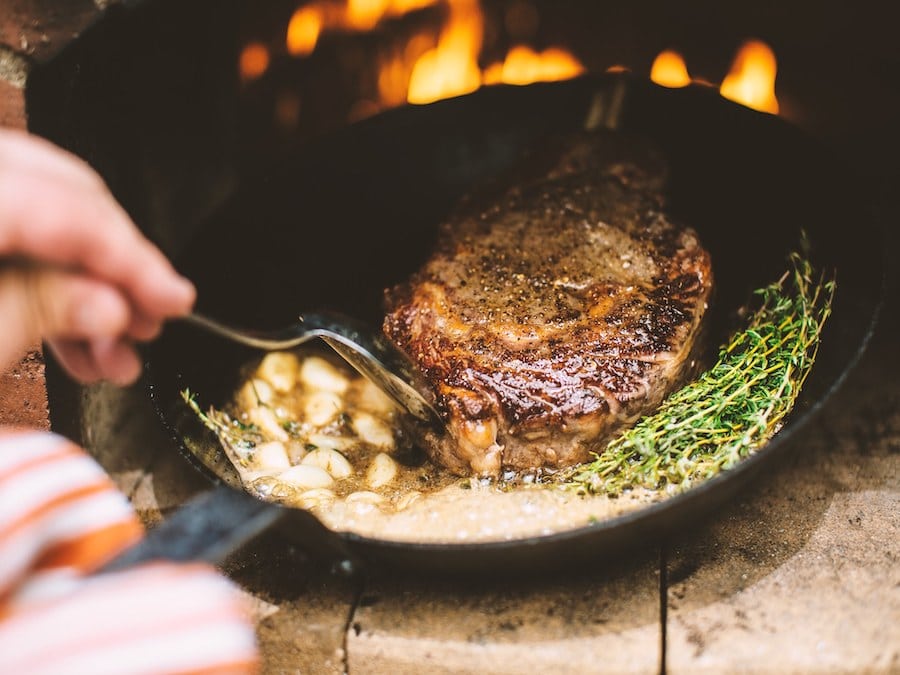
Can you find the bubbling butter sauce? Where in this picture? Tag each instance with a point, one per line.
(306, 431)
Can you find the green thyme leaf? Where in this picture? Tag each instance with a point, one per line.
(229, 430)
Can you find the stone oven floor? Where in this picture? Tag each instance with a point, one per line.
(802, 574)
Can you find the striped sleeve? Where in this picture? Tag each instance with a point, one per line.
(159, 618)
(59, 512)
(60, 518)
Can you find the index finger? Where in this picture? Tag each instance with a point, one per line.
(73, 221)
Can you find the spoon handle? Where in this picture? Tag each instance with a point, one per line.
(251, 338)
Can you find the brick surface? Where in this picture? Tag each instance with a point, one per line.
(126, 437)
(302, 608)
(30, 30)
(803, 573)
(604, 621)
(12, 105)
(23, 391)
(38, 29)
(23, 394)
(834, 606)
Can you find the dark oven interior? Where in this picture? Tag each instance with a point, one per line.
(179, 105)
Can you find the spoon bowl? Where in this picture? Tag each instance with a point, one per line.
(358, 344)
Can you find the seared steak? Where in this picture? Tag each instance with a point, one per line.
(555, 311)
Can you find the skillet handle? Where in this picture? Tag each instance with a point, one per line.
(208, 528)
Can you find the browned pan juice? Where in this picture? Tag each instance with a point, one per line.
(311, 433)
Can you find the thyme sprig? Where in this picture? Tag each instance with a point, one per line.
(732, 408)
(230, 431)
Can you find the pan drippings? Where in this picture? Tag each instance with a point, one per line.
(306, 431)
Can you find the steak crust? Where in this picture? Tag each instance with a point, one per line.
(554, 310)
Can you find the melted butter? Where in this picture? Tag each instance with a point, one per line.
(487, 513)
(420, 502)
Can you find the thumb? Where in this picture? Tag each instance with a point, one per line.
(42, 302)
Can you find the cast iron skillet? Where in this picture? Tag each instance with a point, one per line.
(332, 226)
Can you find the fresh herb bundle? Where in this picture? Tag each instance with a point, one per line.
(733, 407)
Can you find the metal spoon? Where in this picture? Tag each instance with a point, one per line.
(367, 351)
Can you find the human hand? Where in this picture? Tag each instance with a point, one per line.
(74, 269)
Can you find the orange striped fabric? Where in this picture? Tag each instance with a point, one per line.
(60, 518)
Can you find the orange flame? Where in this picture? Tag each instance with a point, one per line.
(523, 66)
(303, 30)
(395, 70)
(365, 14)
(254, 61)
(401, 7)
(429, 68)
(310, 21)
(451, 68)
(670, 70)
(752, 78)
